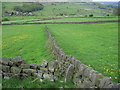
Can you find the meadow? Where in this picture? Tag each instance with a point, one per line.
(95, 45)
(27, 41)
(58, 19)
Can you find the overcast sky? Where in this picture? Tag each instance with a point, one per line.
(108, 0)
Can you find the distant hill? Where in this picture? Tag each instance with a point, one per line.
(67, 8)
(114, 4)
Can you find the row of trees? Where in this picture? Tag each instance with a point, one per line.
(29, 7)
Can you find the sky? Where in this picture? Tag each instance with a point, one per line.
(107, 0)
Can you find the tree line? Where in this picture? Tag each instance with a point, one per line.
(29, 7)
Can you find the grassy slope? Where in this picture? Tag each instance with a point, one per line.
(96, 45)
(75, 8)
(67, 8)
(27, 41)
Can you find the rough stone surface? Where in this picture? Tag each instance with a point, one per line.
(29, 71)
(15, 70)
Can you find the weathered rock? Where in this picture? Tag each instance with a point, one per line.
(38, 75)
(96, 79)
(46, 76)
(0, 66)
(5, 68)
(81, 68)
(33, 66)
(17, 61)
(43, 70)
(69, 73)
(29, 71)
(51, 66)
(105, 82)
(10, 63)
(15, 70)
(25, 66)
(87, 71)
(44, 63)
(23, 75)
(5, 61)
(77, 63)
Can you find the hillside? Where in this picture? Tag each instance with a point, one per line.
(68, 9)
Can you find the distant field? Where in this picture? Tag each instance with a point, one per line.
(59, 20)
(95, 45)
(27, 41)
(76, 20)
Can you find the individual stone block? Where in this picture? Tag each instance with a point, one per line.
(23, 75)
(5, 61)
(38, 75)
(69, 73)
(25, 66)
(5, 68)
(87, 71)
(51, 66)
(33, 66)
(77, 63)
(46, 76)
(105, 82)
(43, 70)
(10, 63)
(15, 70)
(29, 71)
(81, 68)
(17, 61)
(96, 79)
(44, 63)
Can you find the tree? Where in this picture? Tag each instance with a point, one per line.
(91, 15)
(116, 10)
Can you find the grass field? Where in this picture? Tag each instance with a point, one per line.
(30, 83)
(95, 45)
(27, 41)
(59, 20)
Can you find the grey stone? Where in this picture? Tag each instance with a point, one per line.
(5, 68)
(96, 79)
(5, 61)
(23, 75)
(29, 71)
(33, 66)
(17, 61)
(77, 63)
(51, 66)
(69, 73)
(0, 66)
(81, 68)
(25, 66)
(46, 76)
(43, 70)
(15, 70)
(44, 63)
(87, 71)
(104, 82)
(10, 63)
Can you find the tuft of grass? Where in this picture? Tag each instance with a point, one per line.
(28, 83)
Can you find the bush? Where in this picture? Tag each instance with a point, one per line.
(91, 15)
(5, 19)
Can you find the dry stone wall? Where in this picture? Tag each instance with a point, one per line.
(67, 67)
(73, 70)
(16, 67)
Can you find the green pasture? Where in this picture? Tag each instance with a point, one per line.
(27, 41)
(76, 20)
(95, 45)
(59, 20)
